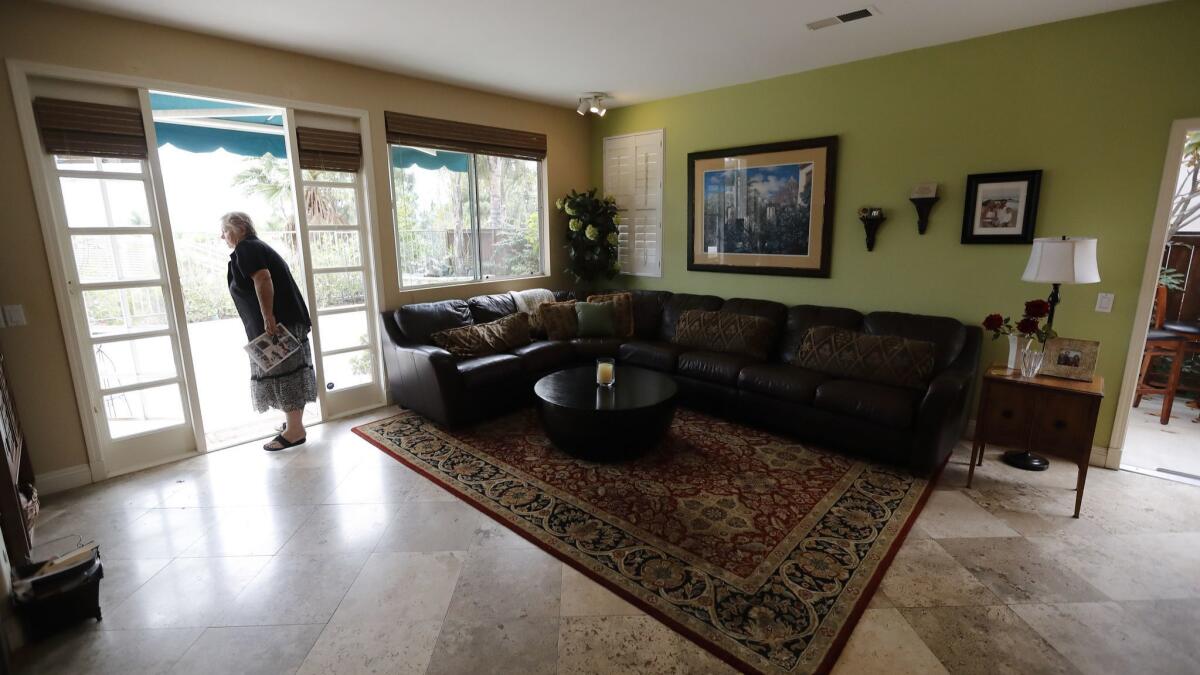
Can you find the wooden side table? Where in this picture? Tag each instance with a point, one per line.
(1038, 414)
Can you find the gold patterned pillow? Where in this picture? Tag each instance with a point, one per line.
(559, 319)
(725, 332)
(886, 359)
(482, 339)
(622, 311)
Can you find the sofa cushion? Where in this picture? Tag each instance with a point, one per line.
(485, 371)
(887, 359)
(481, 339)
(712, 366)
(544, 355)
(725, 332)
(648, 312)
(802, 317)
(775, 312)
(948, 335)
(780, 380)
(654, 355)
(679, 303)
(622, 304)
(592, 347)
(595, 319)
(559, 320)
(528, 301)
(885, 405)
(420, 320)
(485, 308)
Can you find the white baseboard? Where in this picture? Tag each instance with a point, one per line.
(64, 479)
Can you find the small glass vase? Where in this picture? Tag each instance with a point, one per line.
(1031, 359)
(606, 372)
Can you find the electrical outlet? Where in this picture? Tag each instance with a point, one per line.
(1104, 302)
(14, 315)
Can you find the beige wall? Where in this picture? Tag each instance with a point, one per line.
(36, 354)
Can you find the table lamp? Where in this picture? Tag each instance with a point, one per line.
(1056, 261)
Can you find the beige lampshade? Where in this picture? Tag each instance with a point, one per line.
(1063, 260)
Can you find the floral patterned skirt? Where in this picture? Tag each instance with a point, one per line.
(291, 384)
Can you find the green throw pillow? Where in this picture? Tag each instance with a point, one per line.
(596, 319)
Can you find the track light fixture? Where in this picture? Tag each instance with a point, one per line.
(592, 102)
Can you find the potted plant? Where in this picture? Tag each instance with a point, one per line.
(1023, 334)
(591, 236)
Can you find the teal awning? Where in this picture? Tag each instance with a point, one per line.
(240, 112)
(208, 139)
(404, 157)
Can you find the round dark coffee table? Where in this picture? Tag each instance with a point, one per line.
(606, 423)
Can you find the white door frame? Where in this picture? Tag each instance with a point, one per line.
(1141, 319)
(19, 72)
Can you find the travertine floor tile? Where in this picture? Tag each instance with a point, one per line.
(629, 645)
(249, 650)
(111, 652)
(401, 587)
(373, 648)
(986, 640)
(583, 597)
(431, 526)
(953, 514)
(295, 589)
(507, 583)
(528, 646)
(1017, 571)
(884, 643)
(925, 575)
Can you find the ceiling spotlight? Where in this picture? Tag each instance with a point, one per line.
(593, 102)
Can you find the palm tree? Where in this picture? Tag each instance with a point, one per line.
(1185, 206)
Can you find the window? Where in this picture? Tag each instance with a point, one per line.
(633, 174)
(465, 216)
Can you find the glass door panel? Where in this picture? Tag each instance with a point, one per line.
(113, 257)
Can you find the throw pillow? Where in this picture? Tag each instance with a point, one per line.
(528, 301)
(483, 339)
(622, 310)
(725, 332)
(596, 319)
(886, 359)
(559, 319)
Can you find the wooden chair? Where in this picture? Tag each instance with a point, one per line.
(1161, 343)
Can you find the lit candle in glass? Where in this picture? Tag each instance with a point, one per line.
(606, 372)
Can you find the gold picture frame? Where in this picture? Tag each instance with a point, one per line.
(1071, 359)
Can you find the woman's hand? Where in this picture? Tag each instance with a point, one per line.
(271, 326)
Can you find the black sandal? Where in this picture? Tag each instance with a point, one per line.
(284, 443)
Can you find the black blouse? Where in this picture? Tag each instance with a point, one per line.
(249, 256)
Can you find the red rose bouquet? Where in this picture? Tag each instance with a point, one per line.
(1030, 326)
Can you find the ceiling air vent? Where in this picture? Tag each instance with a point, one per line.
(843, 18)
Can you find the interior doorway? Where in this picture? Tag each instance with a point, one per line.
(1161, 426)
(216, 157)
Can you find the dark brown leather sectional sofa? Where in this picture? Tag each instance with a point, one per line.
(904, 426)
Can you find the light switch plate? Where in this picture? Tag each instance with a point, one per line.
(1104, 302)
(14, 315)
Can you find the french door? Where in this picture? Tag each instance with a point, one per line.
(107, 222)
(114, 260)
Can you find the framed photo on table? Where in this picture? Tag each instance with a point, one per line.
(1001, 208)
(1070, 359)
(763, 209)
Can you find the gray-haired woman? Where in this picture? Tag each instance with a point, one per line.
(266, 297)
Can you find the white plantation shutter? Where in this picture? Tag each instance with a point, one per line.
(633, 174)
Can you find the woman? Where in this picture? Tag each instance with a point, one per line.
(267, 299)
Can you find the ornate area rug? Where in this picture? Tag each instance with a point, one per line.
(761, 549)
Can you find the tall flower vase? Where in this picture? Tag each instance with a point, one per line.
(1016, 345)
(1031, 359)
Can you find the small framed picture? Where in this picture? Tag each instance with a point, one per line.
(1001, 208)
(1070, 358)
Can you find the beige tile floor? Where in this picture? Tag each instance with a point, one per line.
(333, 558)
(1150, 445)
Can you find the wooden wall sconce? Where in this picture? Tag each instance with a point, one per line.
(924, 196)
(872, 217)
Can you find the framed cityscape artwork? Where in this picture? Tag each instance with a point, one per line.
(763, 209)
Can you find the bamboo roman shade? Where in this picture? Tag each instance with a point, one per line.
(427, 132)
(326, 150)
(90, 129)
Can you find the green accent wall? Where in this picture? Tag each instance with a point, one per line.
(1089, 101)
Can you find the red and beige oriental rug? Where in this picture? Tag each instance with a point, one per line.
(759, 548)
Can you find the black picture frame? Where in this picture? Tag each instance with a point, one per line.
(1028, 211)
(825, 255)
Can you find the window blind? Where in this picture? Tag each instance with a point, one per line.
(427, 132)
(633, 175)
(326, 150)
(90, 129)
